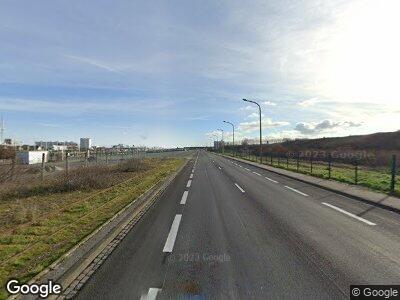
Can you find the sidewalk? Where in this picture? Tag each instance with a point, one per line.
(352, 191)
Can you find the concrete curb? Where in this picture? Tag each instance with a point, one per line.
(351, 191)
(74, 268)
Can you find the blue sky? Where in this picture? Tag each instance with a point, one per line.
(166, 73)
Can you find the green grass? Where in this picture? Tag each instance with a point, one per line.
(28, 248)
(375, 179)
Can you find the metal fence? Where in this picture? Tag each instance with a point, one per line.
(365, 171)
(15, 170)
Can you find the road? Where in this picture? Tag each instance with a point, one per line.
(239, 232)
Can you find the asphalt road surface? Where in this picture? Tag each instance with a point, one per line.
(238, 232)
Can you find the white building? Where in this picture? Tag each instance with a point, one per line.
(85, 143)
(59, 147)
(32, 157)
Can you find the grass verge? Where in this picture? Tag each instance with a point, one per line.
(375, 179)
(28, 247)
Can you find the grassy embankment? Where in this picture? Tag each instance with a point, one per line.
(42, 221)
(375, 179)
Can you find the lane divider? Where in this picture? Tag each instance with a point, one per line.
(296, 191)
(184, 197)
(349, 214)
(258, 174)
(189, 183)
(170, 242)
(151, 294)
(191, 176)
(240, 189)
(270, 179)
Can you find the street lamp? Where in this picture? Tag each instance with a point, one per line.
(233, 136)
(259, 109)
(222, 132)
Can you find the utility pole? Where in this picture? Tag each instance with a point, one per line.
(259, 110)
(233, 135)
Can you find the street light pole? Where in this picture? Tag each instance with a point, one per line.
(259, 110)
(233, 135)
(222, 131)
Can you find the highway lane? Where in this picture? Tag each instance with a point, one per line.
(240, 232)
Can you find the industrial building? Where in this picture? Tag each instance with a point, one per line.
(85, 144)
(32, 157)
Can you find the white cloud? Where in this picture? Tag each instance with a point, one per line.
(308, 102)
(323, 126)
(95, 63)
(269, 103)
(255, 125)
(91, 106)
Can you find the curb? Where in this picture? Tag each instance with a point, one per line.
(74, 268)
(337, 191)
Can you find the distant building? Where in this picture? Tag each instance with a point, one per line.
(59, 147)
(32, 157)
(8, 141)
(85, 143)
(218, 145)
(50, 145)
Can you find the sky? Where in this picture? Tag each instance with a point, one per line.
(167, 73)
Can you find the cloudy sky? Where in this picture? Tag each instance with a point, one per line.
(167, 73)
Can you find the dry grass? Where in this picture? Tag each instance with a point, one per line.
(39, 229)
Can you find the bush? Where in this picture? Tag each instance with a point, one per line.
(134, 165)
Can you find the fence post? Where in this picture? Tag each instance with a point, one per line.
(271, 159)
(66, 163)
(311, 162)
(42, 171)
(287, 161)
(298, 161)
(356, 173)
(329, 165)
(393, 179)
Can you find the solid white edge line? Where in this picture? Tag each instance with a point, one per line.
(238, 186)
(170, 242)
(297, 191)
(349, 214)
(270, 179)
(258, 174)
(184, 197)
(189, 183)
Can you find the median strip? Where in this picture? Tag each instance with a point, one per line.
(170, 242)
(349, 214)
(240, 189)
(297, 191)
